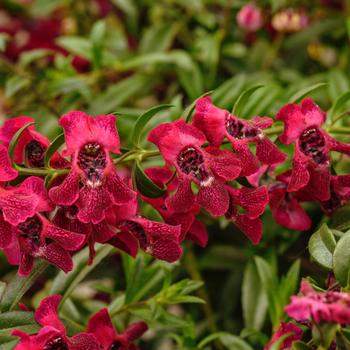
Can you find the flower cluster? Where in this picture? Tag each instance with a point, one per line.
(100, 333)
(219, 164)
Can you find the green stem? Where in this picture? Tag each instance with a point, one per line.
(41, 171)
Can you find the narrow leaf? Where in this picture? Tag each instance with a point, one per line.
(187, 113)
(15, 138)
(54, 146)
(304, 92)
(243, 98)
(339, 105)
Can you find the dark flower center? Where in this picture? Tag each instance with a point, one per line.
(30, 230)
(313, 144)
(116, 345)
(56, 343)
(191, 162)
(137, 230)
(71, 212)
(239, 130)
(332, 203)
(35, 152)
(92, 160)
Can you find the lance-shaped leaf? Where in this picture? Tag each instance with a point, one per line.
(54, 146)
(243, 98)
(304, 92)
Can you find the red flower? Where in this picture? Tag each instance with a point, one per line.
(311, 161)
(102, 327)
(180, 145)
(217, 123)
(320, 306)
(7, 173)
(92, 184)
(53, 335)
(155, 238)
(285, 328)
(191, 228)
(32, 235)
(31, 146)
(253, 201)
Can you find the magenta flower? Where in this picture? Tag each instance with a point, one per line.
(102, 327)
(31, 146)
(250, 17)
(311, 161)
(92, 184)
(216, 123)
(7, 173)
(320, 306)
(253, 201)
(33, 236)
(180, 145)
(285, 328)
(191, 228)
(53, 335)
(155, 238)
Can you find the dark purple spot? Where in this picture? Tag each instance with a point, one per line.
(239, 130)
(92, 160)
(30, 230)
(71, 212)
(56, 343)
(313, 144)
(116, 345)
(191, 162)
(332, 204)
(137, 230)
(35, 152)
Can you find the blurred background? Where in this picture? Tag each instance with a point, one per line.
(126, 56)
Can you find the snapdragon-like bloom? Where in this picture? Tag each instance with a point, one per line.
(92, 184)
(253, 202)
(209, 168)
(216, 123)
(31, 146)
(33, 236)
(320, 306)
(250, 18)
(295, 332)
(102, 327)
(53, 335)
(7, 173)
(191, 228)
(132, 230)
(311, 161)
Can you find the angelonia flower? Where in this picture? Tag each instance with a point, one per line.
(294, 333)
(250, 17)
(290, 20)
(100, 333)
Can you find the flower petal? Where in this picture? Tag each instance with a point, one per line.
(268, 153)
(7, 173)
(67, 192)
(119, 190)
(126, 242)
(84, 341)
(57, 256)
(135, 331)
(252, 228)
(6, 233)
(214, 198)
(198, 233)
(183, 199)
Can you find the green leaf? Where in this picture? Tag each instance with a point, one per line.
(144, 184)
(142, 120)
(254, 300)
(300, 345)
(298, 96)
(19, 285)
(231, 342)
(319, 250)
(76, 45)
(277, 344)
(97, 37)
(65, 283)
(338, 83)
(341, 259)
(15, 138)
(243, 98)
(33, 55)
(15, 84)
(289, 284)
(327, 237)
(187, 113)
(53, 147)
(339, 105)
(14, 319)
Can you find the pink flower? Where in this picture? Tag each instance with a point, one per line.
(191, 228)
(31, 146)
(250, 18)
(7, 173)
(290, 20)
(92, 184)
(180, 145)
(217, 124)
(32, 236)
(53, 335)
(285, 328)
(320, 306)
(311, 161)
(253, 201)
(102, 327)
(155, 238)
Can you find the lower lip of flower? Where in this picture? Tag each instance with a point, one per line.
(191, 162)
(92, 161)
(238, 130)
(35, 152)
(56, 343)
(137, 230)
(30, 230)
(313, 144)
